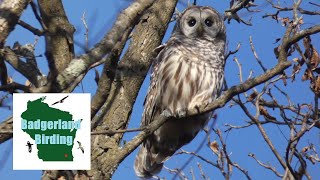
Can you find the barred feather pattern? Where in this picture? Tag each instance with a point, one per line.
(187, 73)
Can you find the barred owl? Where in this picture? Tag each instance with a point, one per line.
(188, 72)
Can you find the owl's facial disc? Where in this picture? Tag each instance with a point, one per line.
(200, 22)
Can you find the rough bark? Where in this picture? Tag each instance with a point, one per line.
(58, 35)
(28, 70)
(6, 129)
(107, 76)
(10, 12)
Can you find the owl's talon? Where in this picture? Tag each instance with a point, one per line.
(202, 105)
(197, 107)
(181, 113)
(166, 113)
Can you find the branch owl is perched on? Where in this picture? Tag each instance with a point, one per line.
(187, 73)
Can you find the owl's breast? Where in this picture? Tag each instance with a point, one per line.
(187, 80)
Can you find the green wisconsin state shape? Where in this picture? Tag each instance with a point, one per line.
(49, 152)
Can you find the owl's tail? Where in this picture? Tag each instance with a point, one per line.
(146, 165)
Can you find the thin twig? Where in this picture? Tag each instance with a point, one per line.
(265, 69)
(83, 19)
(192, 174)
(36, 14)
(178, 172)
(262, 131)
(198, 156)
(227, 157)
(239, 67)
(30, 28)
(233, 52)
(314, 4)
(200, 146)
(201, 171)
(273, 169)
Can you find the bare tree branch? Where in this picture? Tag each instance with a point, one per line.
(28, 70)
(198, 156)
(273, 169)
(7, 126)
(112, 132)
(236, 6)
(263, 133)
(178, 172)
(11, 87)
(27, 26)
(282, 9)
(233, 52)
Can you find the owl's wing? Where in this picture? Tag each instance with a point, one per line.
(151, 106)
(151, 98)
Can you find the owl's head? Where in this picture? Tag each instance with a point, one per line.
(200, 22)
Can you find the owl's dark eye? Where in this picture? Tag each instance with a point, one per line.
(208, 22)
(192, 22)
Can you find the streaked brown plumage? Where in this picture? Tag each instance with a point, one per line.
(188, 72)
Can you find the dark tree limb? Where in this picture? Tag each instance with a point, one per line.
(6, 126)
(3, 71)
(28, 70)
(30, 28)
(107, 76)
(236, 6)
(58, 36)
(14, 86)
(314, 4)
(283, 9)
(35, 9)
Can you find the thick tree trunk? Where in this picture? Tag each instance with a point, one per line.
(59, 35)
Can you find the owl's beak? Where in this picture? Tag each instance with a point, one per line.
(200, 30)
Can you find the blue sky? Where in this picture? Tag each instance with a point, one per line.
(100, 16)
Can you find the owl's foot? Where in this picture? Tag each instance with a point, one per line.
(180, 113)
(202, 105)
(166, 113)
